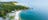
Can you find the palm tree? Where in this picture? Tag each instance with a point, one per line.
(7, 7)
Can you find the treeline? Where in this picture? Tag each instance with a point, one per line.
(6, 7)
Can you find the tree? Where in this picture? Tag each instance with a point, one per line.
(6, 7)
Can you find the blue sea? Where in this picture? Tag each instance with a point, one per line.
(32, 14)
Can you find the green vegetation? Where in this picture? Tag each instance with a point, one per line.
(6, 7)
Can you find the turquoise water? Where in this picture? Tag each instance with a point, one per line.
(32, 15)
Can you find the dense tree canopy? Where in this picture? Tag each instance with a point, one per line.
(6, 7)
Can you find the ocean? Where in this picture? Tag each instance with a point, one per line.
(32, 14)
